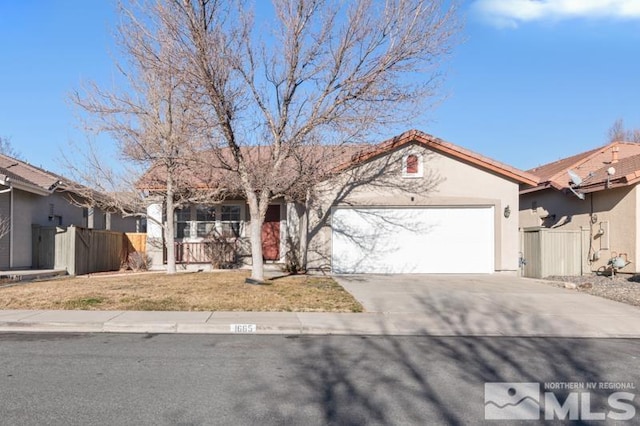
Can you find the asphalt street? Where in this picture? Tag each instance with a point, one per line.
(96, 379)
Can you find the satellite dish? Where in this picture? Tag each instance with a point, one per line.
(575, 179)
(576, 182)
(577, 194)
(611, 171)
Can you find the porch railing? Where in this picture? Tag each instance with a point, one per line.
(200, 252)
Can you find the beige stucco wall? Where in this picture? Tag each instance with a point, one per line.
(614, 211)
(446, 181)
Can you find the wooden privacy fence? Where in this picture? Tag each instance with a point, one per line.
(547, 252)
(78, 250)
(134, 241)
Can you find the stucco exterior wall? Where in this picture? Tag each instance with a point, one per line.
(613, 210)
(446, 181)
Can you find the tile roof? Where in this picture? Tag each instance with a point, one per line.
(329, 160)
(23, 172)
(592, 167)
(548, 171)
(448, 148)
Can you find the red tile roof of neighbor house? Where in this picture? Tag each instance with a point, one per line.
(592, 167)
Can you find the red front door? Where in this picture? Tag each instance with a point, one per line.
(271, 233)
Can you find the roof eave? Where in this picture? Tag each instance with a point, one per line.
(22, 186)
(440, 145)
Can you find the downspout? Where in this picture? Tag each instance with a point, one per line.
(591, 256)
(10, 191)
(11, 214)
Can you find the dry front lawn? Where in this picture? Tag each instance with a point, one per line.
(215, 291)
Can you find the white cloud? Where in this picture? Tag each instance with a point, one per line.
(509, 13)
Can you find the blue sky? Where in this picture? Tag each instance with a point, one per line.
(534, 81)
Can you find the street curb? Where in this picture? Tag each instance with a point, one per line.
(268, 329)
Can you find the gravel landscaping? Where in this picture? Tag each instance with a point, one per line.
(623, 288)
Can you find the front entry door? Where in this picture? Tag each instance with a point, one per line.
(271, 233)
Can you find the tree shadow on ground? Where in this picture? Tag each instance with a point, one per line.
(428, 379)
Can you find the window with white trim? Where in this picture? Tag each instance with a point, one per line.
(182, 222)
(201, 221)
(230, 221)
(205, 220)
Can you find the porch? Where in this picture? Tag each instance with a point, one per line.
(216, 235)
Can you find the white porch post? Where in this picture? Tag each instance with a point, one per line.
(155, 235)
(292, 226)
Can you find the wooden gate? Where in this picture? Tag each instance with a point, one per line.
(43, 248)
(78, 250)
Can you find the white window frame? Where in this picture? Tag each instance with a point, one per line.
(217, 222)
(188, 222)
(212, 223)
(240, 220)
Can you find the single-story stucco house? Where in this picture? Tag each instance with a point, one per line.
(595, 191)
(31, 196)
(411, 204)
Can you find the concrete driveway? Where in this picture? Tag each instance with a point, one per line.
(489, 305)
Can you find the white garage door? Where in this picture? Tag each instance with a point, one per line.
(413, 240)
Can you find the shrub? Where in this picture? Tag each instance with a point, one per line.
(138, 261)
(221, 251)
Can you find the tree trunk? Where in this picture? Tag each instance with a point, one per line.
(169, 227)
(257, 211)
(304, 234)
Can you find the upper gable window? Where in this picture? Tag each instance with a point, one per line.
(412, 165)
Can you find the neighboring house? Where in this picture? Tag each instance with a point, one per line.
(32, 196)
(602, 199)
(412, 204)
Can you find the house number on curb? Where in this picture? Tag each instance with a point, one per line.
(243, 328)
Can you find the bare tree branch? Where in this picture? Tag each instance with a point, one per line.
(7, 148)
(264, 101)
(619, 133)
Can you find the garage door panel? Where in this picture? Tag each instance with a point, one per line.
(413, 240)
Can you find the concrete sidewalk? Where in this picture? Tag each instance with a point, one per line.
(295, 323)
(19, 276)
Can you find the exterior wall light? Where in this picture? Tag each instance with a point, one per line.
(507, 211)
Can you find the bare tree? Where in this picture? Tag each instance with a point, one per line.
(154, 123)
(7, 148)
(618, 132)
(324, 72)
